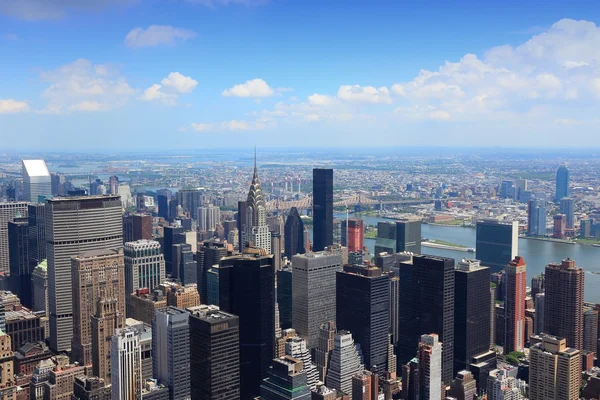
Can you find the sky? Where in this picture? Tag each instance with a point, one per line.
(186, 74)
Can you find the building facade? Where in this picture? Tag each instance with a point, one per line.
(322, 208)
(514, 305)
(497, 243)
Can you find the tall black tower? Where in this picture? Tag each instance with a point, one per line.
(294, 234)
(247, 289)
(362, 307)
(322, 208)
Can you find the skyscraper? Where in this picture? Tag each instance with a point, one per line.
(39, 283)
(108, 318)
(536, 217)
(365, 386)
(97, 276)
(539, 313)
(562, 183)
(362, 299)
(464, 386)
(433, 302)
(294, 234)
(296, 347)
(514, 305)
(163, 206)
(394, 306)
(497, 243)
(430, 366)
(208, 218)
(37, 234)
(215, 354)
(247, 289)
(126, 365)
(184, 268)
(590, 331)
(387, 235)
(36, 180)
(256, 231)
(144, 266)
(322, 208)
(208, 255)
(567, 207)
(75, 225)
(171, 237)
(563, 304)
(322, 353)
(313, 292)
(559, 226)
(286, 381)
(472, 305)
(20, 275)
(171, 351)
(353, 233)
(408, 237)
(554, 370)
(8, 212)
(345, 362)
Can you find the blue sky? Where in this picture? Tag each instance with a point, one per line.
(168, 74)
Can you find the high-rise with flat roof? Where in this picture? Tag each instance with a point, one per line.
(97, 278)
(8, 212)
(430, 366)
(472, 305)
(313, 292)
(353, 234)
(536, 217)
(514, 305)
(567, 207)
(37, 234)
(322, 208)
(214, 354)
(75, 225)
(126, 365)
(171, 351)
(362, 299)
(247, 289)
(36, 180)
(144, 266)
(562, 183)
(497, 243)
(18, 244)
(554, 370)
(563, 303)
(286, 381)
(590, 331)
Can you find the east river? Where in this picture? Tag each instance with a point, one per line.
(537, 253)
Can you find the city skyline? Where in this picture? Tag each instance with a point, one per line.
(520, 74)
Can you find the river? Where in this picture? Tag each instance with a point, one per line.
(537, 253)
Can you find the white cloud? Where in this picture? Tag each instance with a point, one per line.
(235, 125)
(312, 117)
(200, 127)
(169, 89)
(88, 106)
(439, 115)
(179, 82)
(252, 88)
(364, 94)
(567, 121)
(320, 100)
(34, 10)
(78, 85)
(156, 35)
(10, 106)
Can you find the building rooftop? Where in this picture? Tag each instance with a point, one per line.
(97, 253)
(83, 198)
(36, 168)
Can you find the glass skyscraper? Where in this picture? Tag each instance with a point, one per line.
(322, 208)
(562, 183)
(497, 243)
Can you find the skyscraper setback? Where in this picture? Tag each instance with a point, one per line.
(563, 303)
(322, 208)
(75, 225)
(36, 180)
(514, 305)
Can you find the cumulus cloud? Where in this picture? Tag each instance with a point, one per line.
(567, 121)
(10, 106)
(200, 127)
(235, 125)
(81, 84)
(156, 35)
(169, 89)
(34, 10)
(364, 94)
(253, 88)
(320, 100)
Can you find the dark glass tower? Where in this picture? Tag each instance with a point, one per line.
(286, 381)
(184, 266)
(497, 243)
(247, 289)
(408, 237)
(18, 245)
(294, 234)
(241, 223)
(362, 307)
(427, 306)
(472, 307)
(170, 238)
(215, 354)
(562, 183)
(163, 206)
(284, 297)
(322, 208)
(209, 254)
(37, 234)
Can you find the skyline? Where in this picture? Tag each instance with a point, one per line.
(202, 73)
